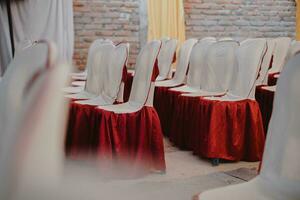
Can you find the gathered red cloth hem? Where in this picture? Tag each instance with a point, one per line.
(131, 137)
(265, 99)
(219, 129)
(164, 103)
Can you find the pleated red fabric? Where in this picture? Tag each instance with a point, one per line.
(164, 103)
(132, 137)
(265, 99)
(272, 80)
(181, 125)
(217, 129)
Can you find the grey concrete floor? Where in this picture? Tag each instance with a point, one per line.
(186, 176)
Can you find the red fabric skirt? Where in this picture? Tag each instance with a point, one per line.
(132, 137)
(216, 129)
(265, 99)
(272, 80)
(164, 103)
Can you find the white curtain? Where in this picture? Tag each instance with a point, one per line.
(5, 47)
(42, 19)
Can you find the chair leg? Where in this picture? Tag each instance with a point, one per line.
(215, 161)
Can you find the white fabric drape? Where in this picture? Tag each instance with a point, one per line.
(5, 46)
(44, 19)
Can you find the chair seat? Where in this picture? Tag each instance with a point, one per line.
(72, 90)
(227, 97)
(81, 95)
(84, 73)
(276, 75)
(78, 83)
(185, 88)
(160, 78)
(270, 88)
(100, 100)
(202, 93)
(128, 107)
(168, 83)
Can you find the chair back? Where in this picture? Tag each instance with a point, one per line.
(114, 72)
(165, 57)
(197, 62)
(99, 61)
(281, 163)
(280, 54)
(22, 80)
(250, 55)
(263, 74)
(220, 66)
(183, 60)
(294, 49)
(144, 68)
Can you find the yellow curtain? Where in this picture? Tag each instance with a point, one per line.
(298, 20)
(166, 19)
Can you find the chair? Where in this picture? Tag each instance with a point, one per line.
(280, 54)
(82, 76)
(95, 78)
(249, 68)
(217, 71)
(294, 49)
(197, 65)
(129, 131)
(181, 66)
(113, 86)
(218, 115)
(216, 80)
(267, 63)
(20, 78)
(142, 86)
(279, 177)
(166, 58)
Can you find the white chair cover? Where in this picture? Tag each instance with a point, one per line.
(94, 45)
(197, 65)
(5, 46)
(250, 56)
(83, 75)
(165, 58)
(142, 88)
(220, 70)
(21, 74)
(280, 54)
(263, 74)
(280, 173)
(96, 73)
(226, 39)
(294, 49)
(113, 77)
(270, 88)
(181, 65)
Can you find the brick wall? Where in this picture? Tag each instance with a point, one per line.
(117, 20)
(240, 18)
(121, 20)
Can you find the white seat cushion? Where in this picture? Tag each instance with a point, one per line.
(128, 107)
